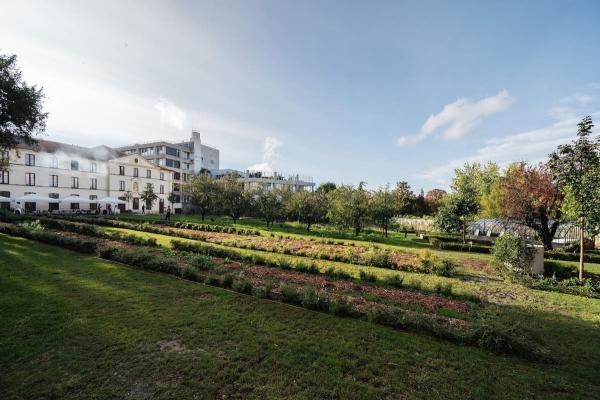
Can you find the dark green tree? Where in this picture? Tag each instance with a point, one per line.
(149, 196)
(21, 114)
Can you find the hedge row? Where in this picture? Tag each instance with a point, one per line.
(459, 246)
(562, 256)
(68, 242)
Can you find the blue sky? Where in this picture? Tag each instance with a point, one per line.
(345, 91)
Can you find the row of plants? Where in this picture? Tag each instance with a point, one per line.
(91, 230)
(196, 226)
(439, 244)
(373, 257)
(33, 230)
(188, 264)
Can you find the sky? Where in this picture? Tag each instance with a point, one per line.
(343, 91)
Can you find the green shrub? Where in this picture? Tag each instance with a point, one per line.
(200, 261)
(341, 308)
(367, 277)
(290, 294)
(514, 252)
(212, 279)
(376, 258)
(311, 300)
(444, 267)
(227, 281)
(395, 281)
(443, 288)
(557, 270)
(242, 286)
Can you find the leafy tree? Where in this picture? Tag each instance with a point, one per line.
(463, 203)
(383, 208)
(433, 199)
(530, 196)
(576, 166)
(172, 198)
(203, 192)
(481, 178)
(404, 198)
(233, 197)
(127, 197)
(326, 187)
(349, 207)
(308, 207)
(149, 196)
(21, 115)
(269, 204)
(419, 206)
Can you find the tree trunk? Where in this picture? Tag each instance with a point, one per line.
(581, 245)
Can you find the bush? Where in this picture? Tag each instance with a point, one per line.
(311, 300)
(290, 294)
(200, 261)
(242, 286)
(514, 252)
(395, 281)
(376, 258)
(341, 308)
(557, 270)
(227, 281)
(444, 267)
(68, 242)
(212, 279)
(367, 277)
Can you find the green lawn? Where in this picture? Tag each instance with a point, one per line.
(77, 327)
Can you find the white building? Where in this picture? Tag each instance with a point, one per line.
(56, 171)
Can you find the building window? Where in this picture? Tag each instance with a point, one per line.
(4, 177)
(176, 176)
(136, 187)
(4, 156)
(74, 206)
(148, 173)
(176, 187)
(54, 162)
(172, 152)
(30, 159)
(162, 176)
(136, 172)
(74, 165)
(53, 195)
(176, 164)
(161, 162)
(93, 167)
(94, 183)
(136, 203)
(75, 182)
(162, 189)
(30, 179)
(122, 186)
(53, 180)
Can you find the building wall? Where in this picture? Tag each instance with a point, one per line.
(95, 178)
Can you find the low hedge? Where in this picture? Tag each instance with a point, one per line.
(562, 256)
(68, 242)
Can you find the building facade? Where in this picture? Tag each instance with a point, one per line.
(184, 159)
(57, 171)
(269, 180)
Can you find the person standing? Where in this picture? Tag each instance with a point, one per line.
(168, 213)
(143, 209)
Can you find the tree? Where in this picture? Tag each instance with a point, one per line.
(269, 204)
(326, 187)
(462, 204)
(149, 196)
(404, 198)
(173, 198)
(203, 192)
(419, 205)
(349, 207)
(576, 166)
(530, 196)
(21, 115)
(433, 199)
(308, 207)
(383, 208)
(233, 197)
(127, 197)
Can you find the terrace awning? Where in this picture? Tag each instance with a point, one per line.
(111, 200)
(35, 198)
(77, 199)
(4, 199)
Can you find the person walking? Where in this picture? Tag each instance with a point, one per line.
(168, 213)
(143, 209)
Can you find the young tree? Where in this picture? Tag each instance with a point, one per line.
(148, 196)
(308, 207)
(21, 115)
(127, 197)
(172, 198)
(576, 166)
(203, 192)
(234, 199)
(326, 187)
(463, 203)
(530, 196)
(269, 204)
(349, 207)
(383, 208)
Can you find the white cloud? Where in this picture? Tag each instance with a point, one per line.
(170, 114)
(531, 146)
(270, 154)
(459, 118)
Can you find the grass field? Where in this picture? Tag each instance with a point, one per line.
(76, 326)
